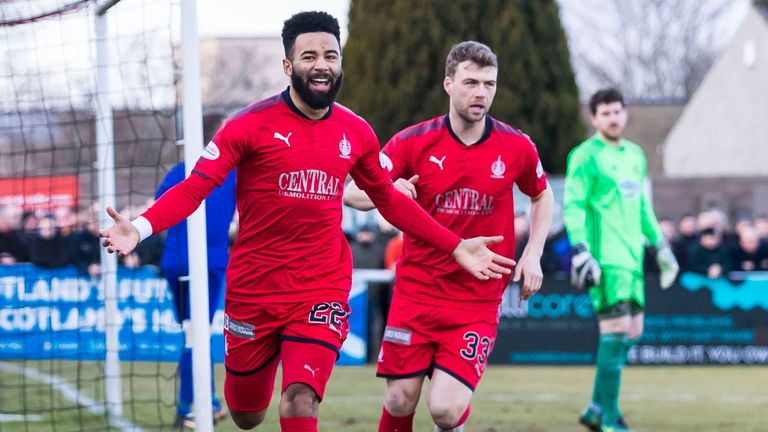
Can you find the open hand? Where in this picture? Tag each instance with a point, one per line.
(474, 256)
(122, 237)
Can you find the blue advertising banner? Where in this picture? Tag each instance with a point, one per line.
(59, 313)
(697, 321)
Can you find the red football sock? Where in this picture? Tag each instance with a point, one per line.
(390, 423)
(298, 424)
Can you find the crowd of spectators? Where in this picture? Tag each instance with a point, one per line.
(704, 243)
(709, 245)
(64, 237)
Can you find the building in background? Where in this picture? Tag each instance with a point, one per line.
(723, 130)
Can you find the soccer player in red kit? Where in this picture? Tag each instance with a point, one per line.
(289, 275)
(461, 168)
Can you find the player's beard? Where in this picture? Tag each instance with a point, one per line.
(469, 119)
(317, 100)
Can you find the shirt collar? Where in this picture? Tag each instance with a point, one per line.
(486, 133)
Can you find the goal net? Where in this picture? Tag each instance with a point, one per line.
(55, 318)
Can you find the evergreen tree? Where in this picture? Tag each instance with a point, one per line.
(394, 63)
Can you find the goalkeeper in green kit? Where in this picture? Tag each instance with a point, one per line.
(608, 217)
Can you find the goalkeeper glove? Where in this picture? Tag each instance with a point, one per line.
(585, 271)
(667, 264)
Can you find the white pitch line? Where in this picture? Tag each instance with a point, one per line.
(7, 418)
(72, 394)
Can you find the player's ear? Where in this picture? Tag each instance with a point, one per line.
(447, 85)
(287, 67)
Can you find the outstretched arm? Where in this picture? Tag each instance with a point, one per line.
(404, 213)
(357, 199)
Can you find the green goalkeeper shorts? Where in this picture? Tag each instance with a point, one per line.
(621, 292)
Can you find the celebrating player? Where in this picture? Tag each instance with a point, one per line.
(289, 276)
(607, 213)
(461, 168)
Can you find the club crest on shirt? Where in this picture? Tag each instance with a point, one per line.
(498, 168)
(630, 189)
(345, 147)
(211, 151)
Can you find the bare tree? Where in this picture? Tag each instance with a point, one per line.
(650, 49)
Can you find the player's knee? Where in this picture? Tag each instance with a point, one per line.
(446, 414)
(299, 400)
(400, 401)
(248, 420)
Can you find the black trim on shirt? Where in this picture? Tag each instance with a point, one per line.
(201, 174)
(486, 134)
(286, 94)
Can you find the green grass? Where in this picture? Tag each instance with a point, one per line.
(509, 399)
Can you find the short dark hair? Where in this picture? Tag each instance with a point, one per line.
(308, 22)
(605, 96)
(476, 52)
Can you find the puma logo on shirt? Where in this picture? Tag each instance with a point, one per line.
(313, 371)
(283, 138)
(439, 162)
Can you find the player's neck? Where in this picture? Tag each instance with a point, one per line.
(468, 132)
(314, 114)
(616, 142)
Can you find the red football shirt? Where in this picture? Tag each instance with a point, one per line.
(290, 180)
(468, 189)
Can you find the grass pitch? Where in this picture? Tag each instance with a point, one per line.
(509, 399)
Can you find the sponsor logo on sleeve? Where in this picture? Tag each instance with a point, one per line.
(211, 151)
(385, 161)
(539, 169)
(398, 336)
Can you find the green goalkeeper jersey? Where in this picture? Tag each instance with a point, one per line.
(606, 206)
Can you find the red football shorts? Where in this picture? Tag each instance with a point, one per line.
(419, 338)
(305, 336)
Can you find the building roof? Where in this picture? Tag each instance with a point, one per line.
(722, 131)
